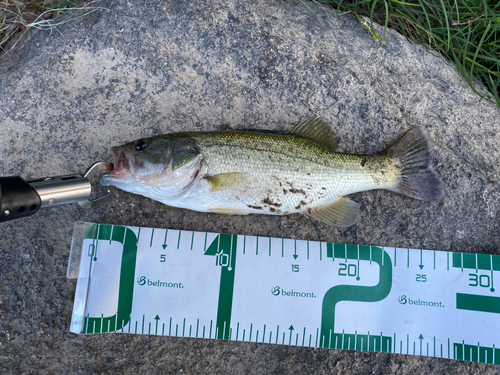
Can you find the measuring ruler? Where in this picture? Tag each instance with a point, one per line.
(284, 291)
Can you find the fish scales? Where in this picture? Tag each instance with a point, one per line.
(246, 171)
(294, 168)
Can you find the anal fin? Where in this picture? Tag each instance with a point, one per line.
(341, 213)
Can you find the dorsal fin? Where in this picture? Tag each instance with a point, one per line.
(318, 130)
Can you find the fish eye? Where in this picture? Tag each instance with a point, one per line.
(140, 145)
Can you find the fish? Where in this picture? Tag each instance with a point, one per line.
(240, 172)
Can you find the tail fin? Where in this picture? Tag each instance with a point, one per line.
(416, 178)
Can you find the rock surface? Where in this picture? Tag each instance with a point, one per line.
(146, 68)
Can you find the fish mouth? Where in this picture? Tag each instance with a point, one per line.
(124, 161)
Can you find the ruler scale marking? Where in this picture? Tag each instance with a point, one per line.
(257, 288)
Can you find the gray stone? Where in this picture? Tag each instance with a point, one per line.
(146, 68)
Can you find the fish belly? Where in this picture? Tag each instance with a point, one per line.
(264, 194)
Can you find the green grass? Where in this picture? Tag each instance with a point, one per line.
(19, 16)
(466, 32)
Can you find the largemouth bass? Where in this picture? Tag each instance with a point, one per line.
(277, 173)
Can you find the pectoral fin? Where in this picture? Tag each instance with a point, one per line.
(225, 181)
(341, 213)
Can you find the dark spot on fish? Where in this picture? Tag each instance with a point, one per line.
(272, 209)
(254, 207)
(324, 188)
(237, 198)
(285, 191)
(301, 204)
(270, 202)
(363, 162)
(295, 191)
(308, 174)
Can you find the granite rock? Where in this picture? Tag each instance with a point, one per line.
(144, 68)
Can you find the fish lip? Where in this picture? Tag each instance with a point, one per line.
(124, 161)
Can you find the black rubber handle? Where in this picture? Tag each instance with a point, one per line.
(17, 199)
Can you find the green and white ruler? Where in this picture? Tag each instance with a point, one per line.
(282, 291)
